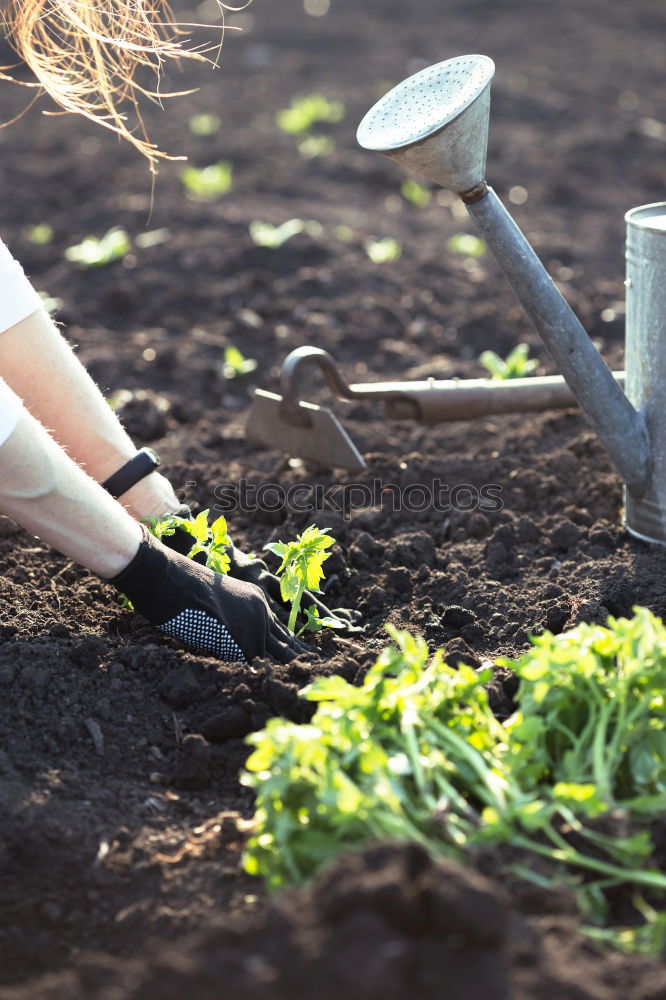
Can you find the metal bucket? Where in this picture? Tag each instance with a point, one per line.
(645, 517)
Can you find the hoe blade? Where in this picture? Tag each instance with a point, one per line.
(324, 441)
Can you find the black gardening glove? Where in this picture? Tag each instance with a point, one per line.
(210, 612)
(257, 572)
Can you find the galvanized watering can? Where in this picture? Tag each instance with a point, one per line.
(436, 124)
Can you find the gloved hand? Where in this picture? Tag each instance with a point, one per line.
(210, 612)
(257, 572)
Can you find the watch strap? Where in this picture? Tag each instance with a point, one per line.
(144, 462)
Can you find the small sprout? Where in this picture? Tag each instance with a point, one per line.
(235, 364)
(50, 302)
(301, 564)
(381, 251)
(304, 112)
(263, 234)
(344, 233)
(94, 251)
(316, 145)
(315, 623)
(466, 244)
(40, 235)
(152, 238)
(212, 540)
(209, 183)
(415, 192)
(516, 365)
(204, 124)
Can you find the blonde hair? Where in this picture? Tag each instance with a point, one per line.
(86, 54)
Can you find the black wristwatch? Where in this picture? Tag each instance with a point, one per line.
(132, 472)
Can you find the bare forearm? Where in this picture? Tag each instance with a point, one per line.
(41, 368)
(43, 490)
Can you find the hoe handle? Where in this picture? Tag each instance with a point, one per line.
(466, 399)
(618, 425)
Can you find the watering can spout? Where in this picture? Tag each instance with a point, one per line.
(436, 123)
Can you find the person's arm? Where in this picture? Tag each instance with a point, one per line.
(39, 365)
(44, 491)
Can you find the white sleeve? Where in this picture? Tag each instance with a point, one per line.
(11, 409)
(18, 299)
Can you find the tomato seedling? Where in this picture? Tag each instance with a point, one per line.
(236, 364)
(315, 623)
(301, 568)
(209, 183)
(516, 365)
(96, 251)
(213, 540)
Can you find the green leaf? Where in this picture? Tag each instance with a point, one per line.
(97, 252)
(384, 250)
(208, 183)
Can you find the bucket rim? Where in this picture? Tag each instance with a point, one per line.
(640, 216)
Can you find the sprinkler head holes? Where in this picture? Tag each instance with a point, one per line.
(436, 122)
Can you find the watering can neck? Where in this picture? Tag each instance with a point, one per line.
(474, 194)
(619, 426)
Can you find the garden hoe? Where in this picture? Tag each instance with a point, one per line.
(436, 123)
(313, 432)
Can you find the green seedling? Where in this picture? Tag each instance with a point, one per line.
(516, 365)
(208, 183)
(40, 235)
(466, 244)
(343, 233)
(383, 251)
(152, 238)
(304, 112)
(315, 623)
(316, 145)
(213, 540)
(94, 251)
(301, 566)
(412, 191)
(263, 234)
(236, 365)
(204, 124)
(577, 777)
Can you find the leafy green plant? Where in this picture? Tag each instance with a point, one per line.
(300, 568)
(384, 250)
(304, 112)
(236, 365)
(343, 233)
(316, 145)
(466, 244)
(204, 124)
(213, 540)
(208, 183)
(592, 712)
(412, 191)
(263, 234)
(516, 365)
(40, 234)
(414, 753)
(98, 251)
(315, 623)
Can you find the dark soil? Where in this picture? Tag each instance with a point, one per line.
(121, 816)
